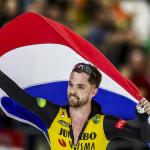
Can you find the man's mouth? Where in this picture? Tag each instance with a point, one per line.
(74, 97)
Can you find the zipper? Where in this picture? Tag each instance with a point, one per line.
(80, 135)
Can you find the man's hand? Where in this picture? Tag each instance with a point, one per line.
(144, 103)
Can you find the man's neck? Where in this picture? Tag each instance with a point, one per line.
(80, 112)
(79, 116)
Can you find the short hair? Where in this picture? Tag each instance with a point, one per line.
(94, 75)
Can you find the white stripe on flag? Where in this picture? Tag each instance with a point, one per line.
(44, 63)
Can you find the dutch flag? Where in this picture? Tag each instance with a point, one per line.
(39, 54)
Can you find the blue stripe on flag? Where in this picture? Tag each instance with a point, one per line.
(111, 103)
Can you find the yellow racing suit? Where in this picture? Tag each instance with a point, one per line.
(98, 133)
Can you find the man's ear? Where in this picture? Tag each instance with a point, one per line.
(94, 91)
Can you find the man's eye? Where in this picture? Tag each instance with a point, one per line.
(81, 87)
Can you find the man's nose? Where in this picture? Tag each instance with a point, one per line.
(73, 90)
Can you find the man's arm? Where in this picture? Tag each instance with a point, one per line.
(44, 109)
(135, 130)
(144, 118)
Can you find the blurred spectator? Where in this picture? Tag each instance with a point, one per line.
(103, 23)
(9, 9)
(80, 14)
(140, 11)
(11, 139)
(137, 70)
(118, 45)
(147, 71)
(122, 17)
(57, 13)
(111, 32)
(37, 6)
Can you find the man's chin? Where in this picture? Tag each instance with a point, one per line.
(73, 104)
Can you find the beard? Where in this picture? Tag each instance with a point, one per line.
(75, 101)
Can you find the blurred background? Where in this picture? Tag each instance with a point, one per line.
(120, 29)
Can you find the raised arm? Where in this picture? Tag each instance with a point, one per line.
(46, 112)
(144, 119)
(133, 130)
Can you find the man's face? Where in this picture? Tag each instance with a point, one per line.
(80, 91)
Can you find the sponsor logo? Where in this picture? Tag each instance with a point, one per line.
(64, 123)
(82, 146)
(41, 102)
(89, 136)
(120, 124)
(62, 142)
(96, 119)
(64, 133)
(85, 136)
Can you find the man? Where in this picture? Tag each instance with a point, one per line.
(80, 125)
